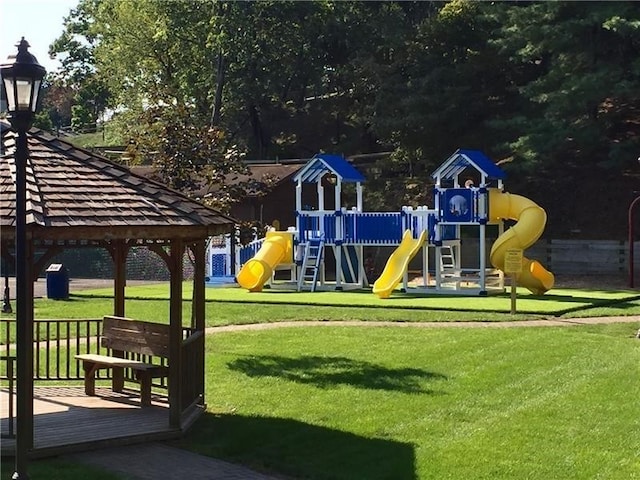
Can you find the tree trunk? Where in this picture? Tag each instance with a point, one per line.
(258, 134)
(217, 102)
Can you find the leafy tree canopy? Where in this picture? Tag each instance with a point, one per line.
(543, 86)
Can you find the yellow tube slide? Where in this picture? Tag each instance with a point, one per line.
(397, 264)
(531, 220)
(277, 247)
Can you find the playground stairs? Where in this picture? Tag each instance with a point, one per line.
(450, 271)
(448, 265)
(313, 250)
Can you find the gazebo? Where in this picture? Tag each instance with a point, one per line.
(78, 199)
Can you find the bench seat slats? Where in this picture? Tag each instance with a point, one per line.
(108, 361)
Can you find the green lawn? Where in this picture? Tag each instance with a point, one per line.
(232, 306)
(557, 302)
(338, 402)
(382, 403)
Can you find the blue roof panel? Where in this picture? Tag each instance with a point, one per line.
(342, 168)
(484, 163)
(462, 159)
(323, 163)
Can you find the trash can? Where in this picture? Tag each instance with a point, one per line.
(57, 282)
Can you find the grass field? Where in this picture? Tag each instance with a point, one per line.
(384, 403)
(557, 302)
(405, 403)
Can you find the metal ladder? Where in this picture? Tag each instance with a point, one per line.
(311, 263)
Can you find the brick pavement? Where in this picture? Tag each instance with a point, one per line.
(156, 461)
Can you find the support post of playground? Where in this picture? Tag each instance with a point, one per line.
(512, 267)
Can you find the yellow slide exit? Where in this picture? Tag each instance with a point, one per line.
(397, 264)
(277, 248)
(531, 219)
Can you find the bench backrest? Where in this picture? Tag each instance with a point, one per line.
(135, 336)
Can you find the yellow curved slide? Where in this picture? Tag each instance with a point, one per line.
(397, 264)
(531, 220)
(277, 247)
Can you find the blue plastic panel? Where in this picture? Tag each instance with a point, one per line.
(458, 205)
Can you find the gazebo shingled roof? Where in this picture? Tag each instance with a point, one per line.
(72, 192)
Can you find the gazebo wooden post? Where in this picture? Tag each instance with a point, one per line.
(175, 339)
(119, 255)
(198, 307)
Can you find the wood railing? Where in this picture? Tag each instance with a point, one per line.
(192, 375)
(56, 342)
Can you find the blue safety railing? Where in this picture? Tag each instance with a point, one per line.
(366, 228)
(374, 228)
(247, 252)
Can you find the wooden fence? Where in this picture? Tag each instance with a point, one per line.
(565, 257)
(588, 257)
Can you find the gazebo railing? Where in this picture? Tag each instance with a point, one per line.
(56, 342)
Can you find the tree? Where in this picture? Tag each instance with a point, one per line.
(254, 69)
(56, 106)
(442, 88)
(438, 88)
(273, 61)
(582, 92)
(76, 46)
(541, 84)
(195, 158)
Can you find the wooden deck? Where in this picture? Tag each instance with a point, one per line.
(66, 420)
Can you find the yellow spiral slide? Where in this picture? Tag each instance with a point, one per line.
(277, 247)
(531, 219)
(397, 264)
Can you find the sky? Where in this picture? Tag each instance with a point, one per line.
(40, 22)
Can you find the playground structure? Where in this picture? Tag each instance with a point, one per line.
(330, 228)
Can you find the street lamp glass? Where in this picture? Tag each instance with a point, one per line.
(22, 76)
(24, 94)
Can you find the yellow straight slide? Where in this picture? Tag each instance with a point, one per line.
(276, 249)
(397, 264)
(531, 220)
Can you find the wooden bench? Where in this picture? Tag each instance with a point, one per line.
(122, 335)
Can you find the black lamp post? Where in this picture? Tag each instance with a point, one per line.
(22, 77)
